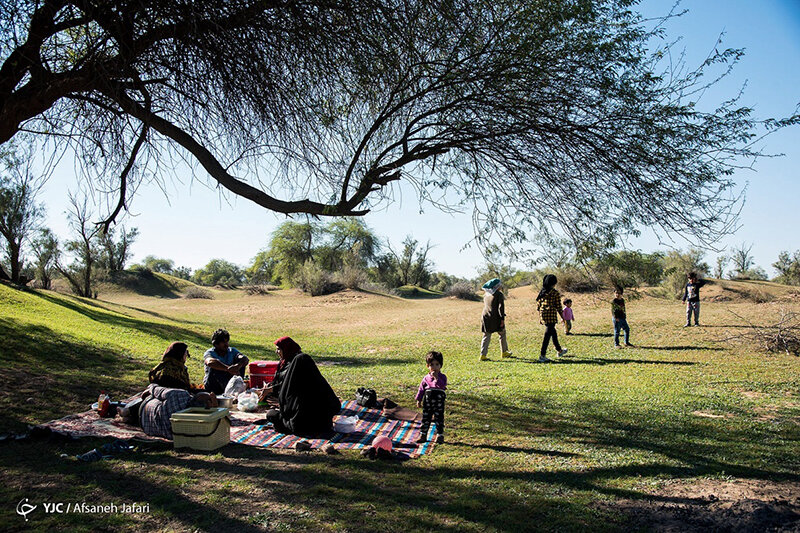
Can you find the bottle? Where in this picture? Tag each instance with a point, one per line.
(103, 404)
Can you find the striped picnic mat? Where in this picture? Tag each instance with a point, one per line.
(371, 424)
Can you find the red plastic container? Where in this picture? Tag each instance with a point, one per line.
(262, 372)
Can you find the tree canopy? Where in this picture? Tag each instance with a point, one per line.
(523, 110)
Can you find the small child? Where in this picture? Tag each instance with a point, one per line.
(431, 396)
(619, 318)
(567, 316)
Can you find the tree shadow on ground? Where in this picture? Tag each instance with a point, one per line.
(165, 331)
(569, 360)
(53, 374)
(680, 348)
(512, 449)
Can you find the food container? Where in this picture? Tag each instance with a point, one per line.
(345, 424)
(200, 428)
(225, 401)
(262, 372)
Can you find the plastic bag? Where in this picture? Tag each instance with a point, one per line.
(248, 401)
(235, 387)
(345, 424)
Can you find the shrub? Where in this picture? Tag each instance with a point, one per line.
(259, 289)
(311, 278)
(463, 291)
(380, 288)
(351, 276)
(198, 293)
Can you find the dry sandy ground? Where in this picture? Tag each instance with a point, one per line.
(740, 505)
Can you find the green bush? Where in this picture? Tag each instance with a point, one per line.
(311, 278)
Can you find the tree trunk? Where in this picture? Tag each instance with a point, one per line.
(13, 259)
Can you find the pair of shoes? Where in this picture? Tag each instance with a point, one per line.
(369, 453)
(562, 353)
(697, 324)
(92, 456)
(117, 447)
(302, 446)
(543, 359)
(617, 347)
(440, 438)
(506, 355)
(483, 358)
(628, 345)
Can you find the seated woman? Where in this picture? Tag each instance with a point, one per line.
(171, 372)
(307, 402)
(160, 403)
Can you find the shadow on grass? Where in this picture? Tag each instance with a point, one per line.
(570, 360)
(84, 307)
(512, 449)
(590, 335)
(680, 348)
(53, 374)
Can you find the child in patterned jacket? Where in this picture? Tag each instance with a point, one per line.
(431, 395)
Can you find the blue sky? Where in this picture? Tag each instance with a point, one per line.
(195, 224)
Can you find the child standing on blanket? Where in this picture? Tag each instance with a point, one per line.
(431, 396)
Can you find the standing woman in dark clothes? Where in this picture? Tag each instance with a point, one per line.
(549, 305)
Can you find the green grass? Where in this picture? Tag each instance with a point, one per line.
(527, 444)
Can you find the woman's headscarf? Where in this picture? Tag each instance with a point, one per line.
(171, 372)
(175, 351)
(492, 285)
(548, 283)
(289, 349)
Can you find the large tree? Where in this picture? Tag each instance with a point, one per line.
(20, 213)
(527, 109)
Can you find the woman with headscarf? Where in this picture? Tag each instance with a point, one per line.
(307, 402)
(493, 319)
(549, 305)
(171, 372)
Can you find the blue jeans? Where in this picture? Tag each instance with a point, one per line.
(621, 324)
(693, 307)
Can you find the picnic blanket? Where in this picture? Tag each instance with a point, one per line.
(244, 430)
(372, 423)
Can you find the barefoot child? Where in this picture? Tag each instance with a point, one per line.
(431, 396)
(568, 316)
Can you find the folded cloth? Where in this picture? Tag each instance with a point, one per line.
(392, 411)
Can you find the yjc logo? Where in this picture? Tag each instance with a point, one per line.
(24, 508)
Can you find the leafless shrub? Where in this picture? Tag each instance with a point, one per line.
(259, 289)
(463, 291)
(783, 336)
(198, 293)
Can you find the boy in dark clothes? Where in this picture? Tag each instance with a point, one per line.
(691, 295)
(619, 317)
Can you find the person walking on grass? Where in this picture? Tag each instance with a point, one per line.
(691, 295)
(494, 318)
(568, 315)
(549, 306)
(620, 318)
